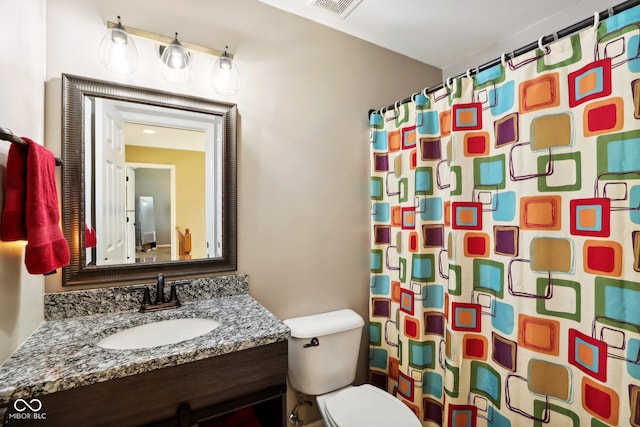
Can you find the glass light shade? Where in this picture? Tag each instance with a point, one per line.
(225, 77)
(118, 52)
(175, 62)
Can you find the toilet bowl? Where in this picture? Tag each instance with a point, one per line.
(323, 356)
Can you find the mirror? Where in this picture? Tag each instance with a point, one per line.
(121, 224)
(152, 167)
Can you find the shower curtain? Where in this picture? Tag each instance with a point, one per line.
(505, 240)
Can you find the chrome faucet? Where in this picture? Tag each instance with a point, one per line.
(161, 303)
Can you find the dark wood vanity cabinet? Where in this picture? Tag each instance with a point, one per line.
(204, 392)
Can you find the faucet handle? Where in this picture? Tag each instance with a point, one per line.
(146, 296)
(175, 284)
(173, 296)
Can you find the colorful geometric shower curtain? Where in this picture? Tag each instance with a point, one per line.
(505, 232)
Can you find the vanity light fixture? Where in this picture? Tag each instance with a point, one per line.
(176, 57)
(225, 76)
(118, 52)
(175, 62)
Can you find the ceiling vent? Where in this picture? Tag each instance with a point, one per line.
(339, 7)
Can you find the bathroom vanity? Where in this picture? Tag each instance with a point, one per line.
(67, 379)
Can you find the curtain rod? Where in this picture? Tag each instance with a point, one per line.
(7, 135)
(585, 23)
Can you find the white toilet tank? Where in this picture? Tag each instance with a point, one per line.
(323, 351)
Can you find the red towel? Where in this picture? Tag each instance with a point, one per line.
(89, 236)
(47, 249)
(14, 220)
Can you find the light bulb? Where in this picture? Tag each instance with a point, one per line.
(175, 62)
(118, 52)
(225, 76)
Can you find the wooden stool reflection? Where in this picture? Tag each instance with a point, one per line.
(184, 244)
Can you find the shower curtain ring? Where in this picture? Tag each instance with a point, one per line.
(596, 21)
(503, 60)
(543, 48)
(448, 83)
(469, 73)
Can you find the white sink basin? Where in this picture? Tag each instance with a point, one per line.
(158, 333)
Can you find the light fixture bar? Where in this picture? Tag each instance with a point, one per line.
(167, 40)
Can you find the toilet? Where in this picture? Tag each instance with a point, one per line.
(323, 355)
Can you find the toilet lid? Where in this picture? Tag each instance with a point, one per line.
(367, 405)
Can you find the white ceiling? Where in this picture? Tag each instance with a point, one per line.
(448, 33)
(145, 135)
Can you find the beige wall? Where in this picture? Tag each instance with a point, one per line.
(21, 84)
(303, 149)
(189, 187)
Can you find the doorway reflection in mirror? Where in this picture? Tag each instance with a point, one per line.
(151, 181)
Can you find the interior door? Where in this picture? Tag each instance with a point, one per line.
(131, 215)
(213, 199)
(110, 186)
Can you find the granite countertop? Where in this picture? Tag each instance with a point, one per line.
(62, 354)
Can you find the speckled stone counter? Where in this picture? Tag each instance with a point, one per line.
(125, 298)
(62, 354)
